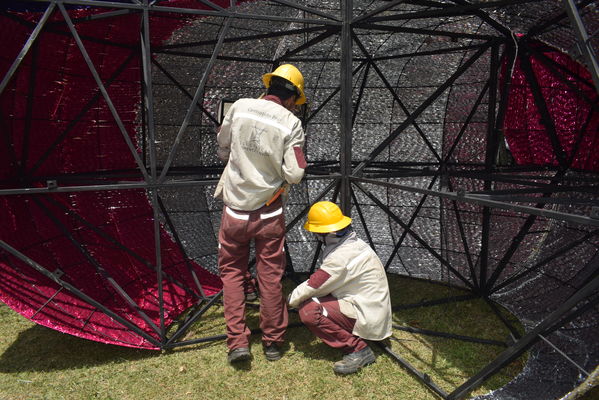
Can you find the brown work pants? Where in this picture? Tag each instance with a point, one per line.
(266, 227)
(325, 319)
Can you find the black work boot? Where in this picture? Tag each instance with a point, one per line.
(354, 361)
(272, 352)
(239, 354)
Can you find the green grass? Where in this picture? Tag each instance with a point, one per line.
(39, 363)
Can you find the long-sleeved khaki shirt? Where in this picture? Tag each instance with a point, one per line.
(262, 142)
(354, 274)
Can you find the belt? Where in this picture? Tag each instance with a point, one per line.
(246, 217)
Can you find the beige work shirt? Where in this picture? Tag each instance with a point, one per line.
(359, 282)
(262, 142)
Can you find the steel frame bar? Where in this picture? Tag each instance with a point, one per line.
(179, 86)
(549, 324)
(561, 353)
(342, 182)
(356, 107)
(562, 72)
(158, 257)
(541, 28)
(118, 244)
(98, 267)
(198, 94)
(148, 90)
(362, 220)
(446, 335)
(584, 42)
(547, 259)
(88, 106)
(430, 303)
(300, 7)
(424, 378)
(489, 163)
(542, 200)
(397, 99)
(332, 95)
(578, 219)
(345, 100)
(175, 234)
(409, 225)
(408, 121)
(190, 321)
(479, 12)
(546, 119)
(33, 264)
(464, 239)
(421, 31)
(249, 38)
(190, 11)
(463, 8)
(51, 27)
(513, 332)
(32, 38)
(320, 38)
(98, 17)
(50, 299)
(102, 88)
(466, 123)
(422, 242)
(447, 50)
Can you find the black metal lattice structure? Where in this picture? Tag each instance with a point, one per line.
(414, 126)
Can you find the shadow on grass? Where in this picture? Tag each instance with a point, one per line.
(43, 349)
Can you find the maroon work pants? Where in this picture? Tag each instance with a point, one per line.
(325, 320)
(266, 226)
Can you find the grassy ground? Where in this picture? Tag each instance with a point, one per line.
(39, 363)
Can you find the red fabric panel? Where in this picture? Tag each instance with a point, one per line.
(56, 95)
(526, 135)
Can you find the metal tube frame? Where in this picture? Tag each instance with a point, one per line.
(346, 172)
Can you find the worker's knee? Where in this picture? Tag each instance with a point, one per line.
(310, 312)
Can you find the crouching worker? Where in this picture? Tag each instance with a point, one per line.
(347, 300)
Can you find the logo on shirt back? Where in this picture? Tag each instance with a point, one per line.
(253, 142)
(257, 122)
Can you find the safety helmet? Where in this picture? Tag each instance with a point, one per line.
(326, 217)
(291, 74)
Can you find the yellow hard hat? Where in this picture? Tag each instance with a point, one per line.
(326, 217)
(290, 73)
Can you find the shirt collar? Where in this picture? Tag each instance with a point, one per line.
(272, 98)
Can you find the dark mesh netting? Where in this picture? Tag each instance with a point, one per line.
(465, 141)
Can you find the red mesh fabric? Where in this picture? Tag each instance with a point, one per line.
(577, 131)
(48, 124)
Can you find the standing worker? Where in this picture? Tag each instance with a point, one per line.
(347, 299)
(261, 140)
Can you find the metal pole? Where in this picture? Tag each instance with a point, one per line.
(514, 351)
(77, 292)
(489, 166)
(196, 98)
(149, 106)
(345, 154)
(102, 88)
(584, 42)
(25, 49)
